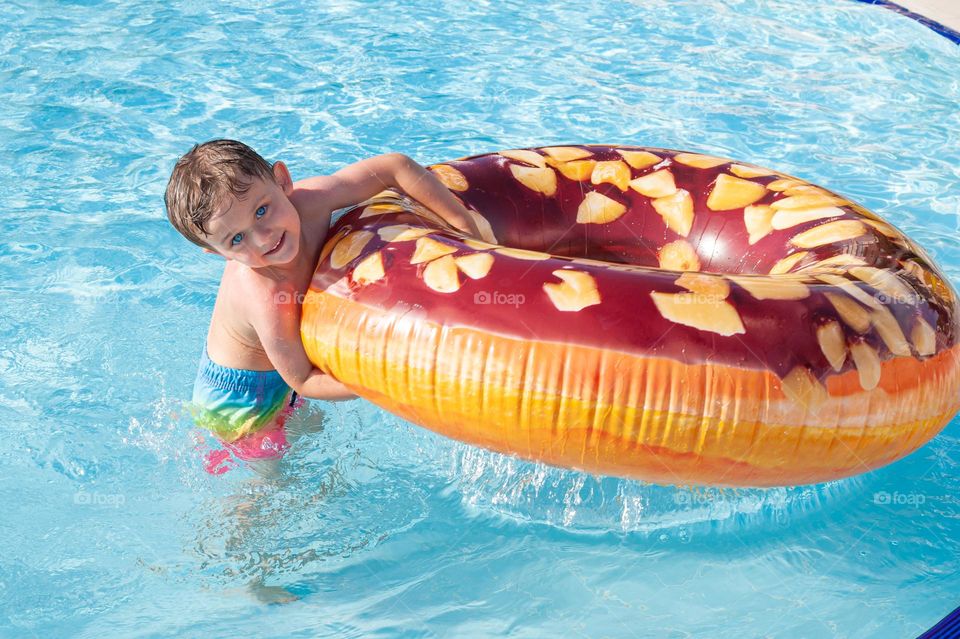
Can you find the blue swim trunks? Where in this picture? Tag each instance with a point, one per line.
(236, 404)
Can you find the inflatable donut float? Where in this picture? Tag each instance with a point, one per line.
(645, 313)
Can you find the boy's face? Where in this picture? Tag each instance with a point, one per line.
(263, 228)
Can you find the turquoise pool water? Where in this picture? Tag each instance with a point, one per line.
(374, 527)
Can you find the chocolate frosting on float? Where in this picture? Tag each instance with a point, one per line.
(775, 334)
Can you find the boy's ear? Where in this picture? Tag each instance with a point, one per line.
(282, 175)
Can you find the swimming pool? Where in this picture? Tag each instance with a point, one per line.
(378, 528)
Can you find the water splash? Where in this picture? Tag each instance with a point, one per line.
(530, 492)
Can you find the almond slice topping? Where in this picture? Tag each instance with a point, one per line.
(478, 245)
(703, 312)
(699, 161)
(786, 183)
(676, 211)
(833, 343)
(786, 218)
(852, 314)
(332, 242)
(772, 288)
(597, 208)
(890, 332)
(705, 284)
(475, 265)
(526, 156)
(542, 180)
(806, 189)
(450, 177)
(850, 289)
(522, 254)
(380, 209)
(784, 265)
(829, 233)
(883, 228)
(430, 249)
(757, 219)
(841, 259)
(734, 193)
(613, 172)
(678, 255)
(640, 159)
(867, 361)
(441, 275)
(576, 291)
(566, 153)
(747, 171)
(887, 283)
(370, 269)
(402, 232)
(657, 184)
(923, 337)
(578, 170)
(349, 248)
(808, 201)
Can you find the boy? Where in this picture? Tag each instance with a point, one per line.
(228, 200)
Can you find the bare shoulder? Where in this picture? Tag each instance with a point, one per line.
(243, 301)
(253, 294)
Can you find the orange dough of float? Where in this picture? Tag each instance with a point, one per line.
(644, 313)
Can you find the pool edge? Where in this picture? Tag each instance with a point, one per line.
(946, 31)
(946, 628)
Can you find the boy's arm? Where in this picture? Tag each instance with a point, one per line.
(364, 179)
(277, 323)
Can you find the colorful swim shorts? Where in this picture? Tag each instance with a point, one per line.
(245, 409)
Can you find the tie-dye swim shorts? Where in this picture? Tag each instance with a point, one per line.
(245, 409)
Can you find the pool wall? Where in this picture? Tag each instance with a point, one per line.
(944, 30)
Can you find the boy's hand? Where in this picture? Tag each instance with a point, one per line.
(366, 178)
(465, 222)
(319, 385)
(423, 186)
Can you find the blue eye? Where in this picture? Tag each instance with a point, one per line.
(236, 239)
(261, 212)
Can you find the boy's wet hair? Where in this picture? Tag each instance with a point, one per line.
(203, 178)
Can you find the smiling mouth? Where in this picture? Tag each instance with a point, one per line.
(278, 244)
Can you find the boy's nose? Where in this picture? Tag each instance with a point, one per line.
(261, 237)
